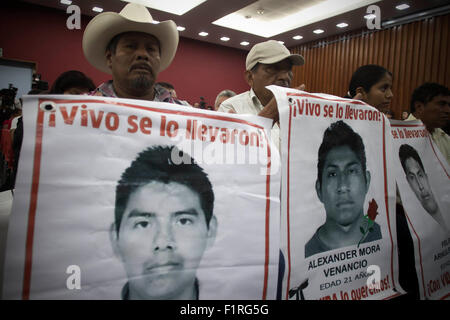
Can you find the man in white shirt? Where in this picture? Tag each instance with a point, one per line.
(267, 63)
(431, 103)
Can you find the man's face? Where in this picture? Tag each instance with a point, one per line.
(418, 181)
(279, 74)
(343, 187)
(136, 62)
(435, 113)
(161, 240)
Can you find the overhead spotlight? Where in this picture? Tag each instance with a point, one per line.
(342, 25)
(203, 34)
(281, 42)
(370, 16)
(297, 37)
(225, 39)
(180, 28)
(402, 6)
(318, 31)
(97, 9)
(68, 2)
(245, 43)
(155, 21)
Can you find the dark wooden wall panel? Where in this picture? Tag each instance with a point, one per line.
(415, 53)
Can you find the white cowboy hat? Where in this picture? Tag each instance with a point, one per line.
(132, 18)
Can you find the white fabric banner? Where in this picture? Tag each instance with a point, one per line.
(423, 180)
(194, 216)
(338, 199)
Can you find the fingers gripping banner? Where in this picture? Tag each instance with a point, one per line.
(423, 181)
(338, 195)
(126, 199)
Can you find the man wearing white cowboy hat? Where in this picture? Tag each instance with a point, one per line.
(133, 49)
(267, 63)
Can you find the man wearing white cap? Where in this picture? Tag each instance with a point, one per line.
(133, 49)
(267, 63)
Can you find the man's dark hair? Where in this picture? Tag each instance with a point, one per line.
(426, 92)
(336, 135)
(155, 164)
(405, 152)
(166, 85)
(72, 79)
(366, 76)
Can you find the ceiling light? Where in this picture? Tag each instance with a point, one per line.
(203, 34)
(402, 6)
(281, 42)
(97, 9)
(297, 37)
(178, 7)
(318, 31)
(370, 16)
(180, 28)
(155, 21)
(225, 39)
(342, 25)
(245, 43)
(297, 17)
(68, 2)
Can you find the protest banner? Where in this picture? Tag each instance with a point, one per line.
(423, 178)
(129, 199)
(338, 196)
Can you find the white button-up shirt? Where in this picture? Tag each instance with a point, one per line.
(248, 103)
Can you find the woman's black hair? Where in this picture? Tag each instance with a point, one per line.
(366, 76)
(71, 79)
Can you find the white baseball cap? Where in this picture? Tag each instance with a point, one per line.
(270, 52)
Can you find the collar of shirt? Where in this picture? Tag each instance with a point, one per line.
(106, 89)
(255, 100)
(126, 290)
(438, 132)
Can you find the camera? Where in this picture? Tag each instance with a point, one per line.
(8, 95)
(37, 83)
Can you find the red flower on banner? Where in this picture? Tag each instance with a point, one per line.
(372, 211)
(369, 220)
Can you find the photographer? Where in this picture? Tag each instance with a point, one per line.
(8, 111)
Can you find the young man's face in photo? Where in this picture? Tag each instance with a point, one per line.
(418, 181)
(161, 240)
(343, 187)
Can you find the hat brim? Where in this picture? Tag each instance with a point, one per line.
(107, 25)
(296, 59)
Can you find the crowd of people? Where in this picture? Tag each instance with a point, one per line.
(133, 50)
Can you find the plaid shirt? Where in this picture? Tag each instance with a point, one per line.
(106, 89)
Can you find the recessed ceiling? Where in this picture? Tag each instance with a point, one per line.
(290, 21)
(178, 7)
(268, 18)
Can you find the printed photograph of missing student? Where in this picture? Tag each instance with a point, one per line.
(342, 184)
(163, 224)
(418, 182)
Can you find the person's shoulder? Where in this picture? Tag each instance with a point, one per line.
(375, 234)
(234, 103)
(314, 245)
